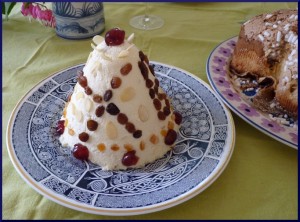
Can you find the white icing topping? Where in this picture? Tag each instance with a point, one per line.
(261, 37)
(278, 36)
(268, 16)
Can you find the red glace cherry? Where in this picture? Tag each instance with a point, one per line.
(60, 127)
(129, 158)
(80, 152)
(114, 37)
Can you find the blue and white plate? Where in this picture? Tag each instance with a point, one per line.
(217, 72)
(203, 150)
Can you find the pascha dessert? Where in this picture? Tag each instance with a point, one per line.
(265, 59)
(118, 116)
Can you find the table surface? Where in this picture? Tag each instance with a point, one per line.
(261, 179)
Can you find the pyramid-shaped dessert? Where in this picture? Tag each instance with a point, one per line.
(118, 116)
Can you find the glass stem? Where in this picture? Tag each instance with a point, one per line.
(146, 17)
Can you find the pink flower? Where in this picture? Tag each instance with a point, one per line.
(24, 10)
(27, 9)
(43, 15)
(35, 11)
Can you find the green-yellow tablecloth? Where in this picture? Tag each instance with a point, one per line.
(261, 179)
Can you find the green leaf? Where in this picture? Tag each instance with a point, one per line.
(3, 8)
(11, 6)
(7, 7)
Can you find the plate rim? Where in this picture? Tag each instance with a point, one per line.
(126, 211)
(233, 108)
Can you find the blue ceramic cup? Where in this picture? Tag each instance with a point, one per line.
(78, 20)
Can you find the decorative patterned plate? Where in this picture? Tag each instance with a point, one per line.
(217, 68)
(203, 150)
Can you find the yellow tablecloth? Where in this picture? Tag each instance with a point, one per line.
(260, 181)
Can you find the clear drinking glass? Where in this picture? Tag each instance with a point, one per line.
(146, 21)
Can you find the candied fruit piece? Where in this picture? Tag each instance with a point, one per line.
(156, 82)
(114, 147)
(178, 117)
(122, 118)
(144, 69)
(107, 95)
(101, 147)
(97, 98)
(71, 132)
(170, 137)
(157, 104)
(100, 111)
(152, 93)
(141, 55)
(88, 90)
(126, 69)
(167, 103)
(161, 115)
(142, 145)
(83, 136)
(128, 147)
(137, 134)
(80, 152)
(130, 127)
(60, 127)
(156, 89)
(112, 109)
(92, 125)
(166, 111)
(129, 158)
(163, 132)
(82, 81)
(115, 82)
(152, 70)
(154, 139)
(114, 37)
(170, 125)
(161, 96)
(149, 83)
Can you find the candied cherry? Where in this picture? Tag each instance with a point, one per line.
(178, 117)
(129, 158)
(114, 37)
(80, 152)
(170, 137)
(60, 127)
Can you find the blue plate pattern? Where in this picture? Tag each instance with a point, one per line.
(202, 150)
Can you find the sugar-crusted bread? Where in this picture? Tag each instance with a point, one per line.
(267, 49)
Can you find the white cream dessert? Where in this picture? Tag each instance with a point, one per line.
(118, 116)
